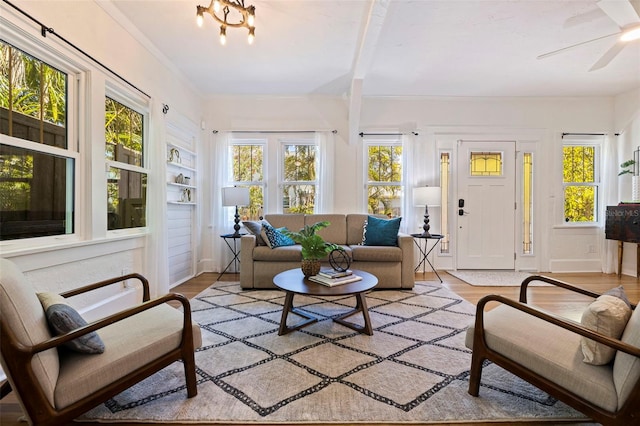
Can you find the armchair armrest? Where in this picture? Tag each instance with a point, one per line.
(89, 287)
(119, 316)
(550, 318)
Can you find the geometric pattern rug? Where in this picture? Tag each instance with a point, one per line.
(414, 368)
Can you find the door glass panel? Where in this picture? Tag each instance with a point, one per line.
(527, 207)
(485, 164)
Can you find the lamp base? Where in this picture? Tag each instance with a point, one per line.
(236, 227)
(426, 225)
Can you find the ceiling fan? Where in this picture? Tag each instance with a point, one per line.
(626, 15)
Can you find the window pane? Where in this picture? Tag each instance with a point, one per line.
(385, 200)
(445, 172)
(33, 98)
(527, 205)
(247, 163)
(486, 164)
(254, 210)
(385, 163)
(36, 194)
(123, 133)
(126, 199)
(579, 203)
(299, 163)
(298, 198)
(578, 164)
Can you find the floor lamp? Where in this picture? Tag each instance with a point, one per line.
(425, 196)
(235, 196)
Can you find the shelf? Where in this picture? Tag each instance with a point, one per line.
(171, 163)
(180, 148)
(181, 185)
(187, 203)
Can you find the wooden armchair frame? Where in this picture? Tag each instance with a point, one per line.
(18, 358)
(628, 414)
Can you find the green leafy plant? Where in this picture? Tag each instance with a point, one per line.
(627, 167)
(313, 246)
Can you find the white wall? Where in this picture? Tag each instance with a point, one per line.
(559, 248)
(99, 254)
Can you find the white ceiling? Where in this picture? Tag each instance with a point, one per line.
(396, 47)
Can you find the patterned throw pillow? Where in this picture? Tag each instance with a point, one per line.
(62, 318)
(381, 232)
(274, 237)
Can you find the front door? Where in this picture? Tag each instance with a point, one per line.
(485, 209)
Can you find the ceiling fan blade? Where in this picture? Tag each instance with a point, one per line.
(608, 56)
(584, 18)
(621, 12)
(555, 52)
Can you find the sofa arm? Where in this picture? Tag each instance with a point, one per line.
(408, 278)
(247, 244)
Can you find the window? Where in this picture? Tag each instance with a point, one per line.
(247, 169)
(580, 182)
(127, 179)
(37, 164)
(445, 185)
(299, 183)
(384, 178)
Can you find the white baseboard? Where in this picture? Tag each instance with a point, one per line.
(575, 265)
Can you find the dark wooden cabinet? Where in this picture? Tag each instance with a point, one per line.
(622, 223)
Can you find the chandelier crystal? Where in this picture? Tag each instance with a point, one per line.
(229, 13)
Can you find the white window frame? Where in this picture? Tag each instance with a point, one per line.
(76, 90)
(596, 142)
(140, 104)
(394, 141)
(281, 157)
(230, 164)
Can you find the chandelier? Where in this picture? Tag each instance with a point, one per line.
(241, 16)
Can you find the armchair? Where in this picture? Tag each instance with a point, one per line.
(55, 385)
(545, 350)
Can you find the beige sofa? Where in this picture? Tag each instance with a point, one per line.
(392, 265)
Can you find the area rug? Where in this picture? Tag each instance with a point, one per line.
(493, 278)
(414, 368)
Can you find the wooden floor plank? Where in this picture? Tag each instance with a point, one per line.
(550, 298)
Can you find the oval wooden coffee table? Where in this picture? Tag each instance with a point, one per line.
(293, 282)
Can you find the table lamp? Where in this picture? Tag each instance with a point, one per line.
(427, 196)
(235, 196)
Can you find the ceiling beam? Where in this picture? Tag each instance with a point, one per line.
(363, 58)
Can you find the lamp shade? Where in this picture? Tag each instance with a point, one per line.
(427, 196)
(235, 196)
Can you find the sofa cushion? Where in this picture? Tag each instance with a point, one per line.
(376, 254)
(280, 254)
(626, 367)
(255, 228)
(355, 228)
(607, 315)
(336, 232)
(274, 237)
(529, 341)
(62, 318)
(381, 232)
(293, 222)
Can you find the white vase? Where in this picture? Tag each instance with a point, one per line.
(635, 188)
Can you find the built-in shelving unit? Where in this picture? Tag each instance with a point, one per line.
(182, 202)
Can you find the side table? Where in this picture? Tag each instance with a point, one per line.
(233, 246)
(424, 252)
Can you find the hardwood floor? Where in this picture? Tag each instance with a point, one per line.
(552, 299)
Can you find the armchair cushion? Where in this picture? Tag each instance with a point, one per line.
(62, 318)
(607, 315)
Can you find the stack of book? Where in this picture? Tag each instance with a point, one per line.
(331, 277)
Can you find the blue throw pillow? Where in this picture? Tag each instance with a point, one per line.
(381, 232)
(275, 237)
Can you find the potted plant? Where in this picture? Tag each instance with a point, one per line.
(314, 247)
